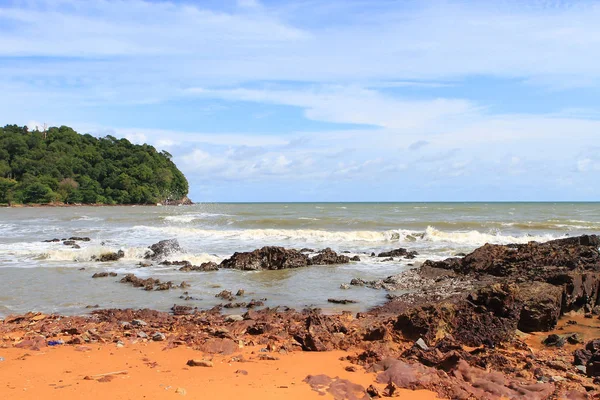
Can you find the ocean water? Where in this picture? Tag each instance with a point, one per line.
(52, 277)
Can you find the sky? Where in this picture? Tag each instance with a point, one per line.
(311, 100)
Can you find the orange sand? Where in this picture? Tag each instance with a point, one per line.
(151, 373)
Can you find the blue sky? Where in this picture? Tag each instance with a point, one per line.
(324, 101)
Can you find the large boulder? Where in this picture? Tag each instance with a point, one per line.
(269, 257)
(163, 249)
(541, 308)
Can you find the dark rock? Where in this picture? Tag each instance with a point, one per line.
(581, 356)
(207, 266)
(80, 239)
(355, 258)
(329, 257)
(554, 340)
(107, 257)
(163, 249)
(268, 257)
(541, 306)
(51, 240)
(341, 301)
(69, 242)
(181, 310)
(376, 333)
(103, 274)
(399, 253)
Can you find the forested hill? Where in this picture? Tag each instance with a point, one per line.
(60, 165)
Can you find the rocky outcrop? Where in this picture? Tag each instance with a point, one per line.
(399, 253)
(328, 257)
(268, 257)
(204, 267)
(273, 258)
(531, 261)
(163, 248)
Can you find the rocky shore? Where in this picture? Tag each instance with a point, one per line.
(505, 321)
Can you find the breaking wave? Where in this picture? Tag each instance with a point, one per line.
(467, 238)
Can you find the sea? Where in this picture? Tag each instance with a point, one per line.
(55, 278)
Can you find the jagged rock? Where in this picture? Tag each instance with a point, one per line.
(542, 304)
(268, 257)
(163, 249)
(207, 266)
(225, 295)
(399, 253)
(107, 257)
(328, 257)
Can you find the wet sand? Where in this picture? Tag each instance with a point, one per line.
(150, 372)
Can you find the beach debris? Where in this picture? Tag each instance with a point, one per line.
(158, 337)
(199, 363)
(181, 391)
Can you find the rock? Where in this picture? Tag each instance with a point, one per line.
(103, 274)
(204, 267)
(399, 253)
(234, 318)
(225, 295)
(181, 310)
(240, 292)
(541, 306)
(158, 337)
(329, 257)
(554, 340)
(355, 258)
(80, 239)
(69, 242)
(268, 257)
(181, 391)
(421, 344)
(199, 363)
(163, 249)
(341, 301)
(376, 333)
(344, 286)
(574, 338)
(107, 257)
(581, 356)
(51, 240)
(139, 322)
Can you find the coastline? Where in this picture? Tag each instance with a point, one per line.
(522, 317)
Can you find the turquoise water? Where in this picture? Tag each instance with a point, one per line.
(47, 276)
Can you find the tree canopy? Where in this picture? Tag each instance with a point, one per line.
(61, 165)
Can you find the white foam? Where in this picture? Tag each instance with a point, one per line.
(475, 238)
(186, 218)
(471, 238)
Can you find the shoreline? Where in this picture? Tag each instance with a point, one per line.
(523, 318)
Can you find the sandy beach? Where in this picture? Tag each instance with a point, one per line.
(147, 370)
